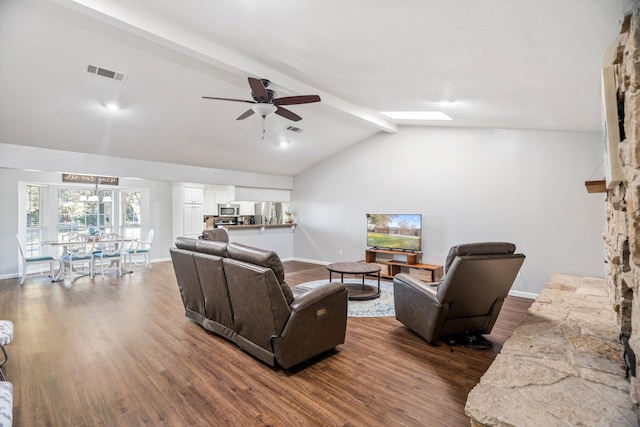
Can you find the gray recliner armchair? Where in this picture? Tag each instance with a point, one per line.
(468, 299)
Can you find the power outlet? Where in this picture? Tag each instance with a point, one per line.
(339, 251)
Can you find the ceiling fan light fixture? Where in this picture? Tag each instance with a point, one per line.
(265, 102)
(264, 110)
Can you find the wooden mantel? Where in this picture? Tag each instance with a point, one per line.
(599, 186)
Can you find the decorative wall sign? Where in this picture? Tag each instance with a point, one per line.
(90, 179)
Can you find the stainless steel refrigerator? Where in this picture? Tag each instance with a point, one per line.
(269, 213)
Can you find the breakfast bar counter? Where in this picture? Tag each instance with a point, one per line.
(258, 226)
(274, 237)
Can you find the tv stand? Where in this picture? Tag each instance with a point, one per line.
(411, 263)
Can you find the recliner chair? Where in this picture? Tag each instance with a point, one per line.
(468, 299)
(216, 234)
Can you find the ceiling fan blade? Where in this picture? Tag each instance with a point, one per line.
(291, 100)
(288, 114)
(228, 99)
(245, 114)
(258, 89)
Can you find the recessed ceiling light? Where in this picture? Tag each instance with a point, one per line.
(416, 115)
(112, 106)
(283, 144)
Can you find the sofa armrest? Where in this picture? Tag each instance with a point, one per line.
(311, 296)
(317, 323)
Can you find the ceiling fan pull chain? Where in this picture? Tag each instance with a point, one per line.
(264, 119)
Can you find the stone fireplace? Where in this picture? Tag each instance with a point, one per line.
(622, 238)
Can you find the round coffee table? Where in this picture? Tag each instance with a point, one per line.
(357, 291)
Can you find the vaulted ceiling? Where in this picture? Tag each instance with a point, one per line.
(496, 64)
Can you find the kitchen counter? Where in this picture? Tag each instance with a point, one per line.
(259, 226)
(274, 237)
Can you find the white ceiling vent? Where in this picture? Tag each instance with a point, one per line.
(294, 129)
(103, 72)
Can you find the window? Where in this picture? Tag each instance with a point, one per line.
(49, 211)
(84, 210)
(37, 229)
(130, 214)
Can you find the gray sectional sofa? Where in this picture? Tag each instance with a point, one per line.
(239, 292)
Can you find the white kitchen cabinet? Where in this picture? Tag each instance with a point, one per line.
(193, 223)
(247, 208)
(188, 210)
(224, 194)
(192, 195)
(209, 205)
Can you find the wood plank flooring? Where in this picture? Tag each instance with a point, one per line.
(119, 352)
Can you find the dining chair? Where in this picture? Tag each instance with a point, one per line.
(69, 236)
(107, 254)
(26, 261)
(66, 238)
(79, 252)
(139, 249)
(6, 336)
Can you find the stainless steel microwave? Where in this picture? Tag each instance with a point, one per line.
(228, 210)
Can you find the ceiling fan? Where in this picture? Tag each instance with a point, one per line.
(265, 102)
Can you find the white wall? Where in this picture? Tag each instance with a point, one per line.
(470, 185)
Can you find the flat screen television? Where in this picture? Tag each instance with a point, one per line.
(395, 231)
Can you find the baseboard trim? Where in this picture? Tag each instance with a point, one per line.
(528, 295)
(311, 261)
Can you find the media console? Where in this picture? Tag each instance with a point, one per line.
(410, 264)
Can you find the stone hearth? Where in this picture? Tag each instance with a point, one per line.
(562, 366)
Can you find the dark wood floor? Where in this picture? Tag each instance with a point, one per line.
(119, 352)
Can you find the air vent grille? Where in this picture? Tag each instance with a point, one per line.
(103, 72)
(294, 129)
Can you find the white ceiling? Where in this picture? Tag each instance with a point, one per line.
(486, 63)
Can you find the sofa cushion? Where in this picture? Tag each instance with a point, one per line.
(263, 258)
(6, 403)
(483, 248)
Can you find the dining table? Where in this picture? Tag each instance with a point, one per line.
(63, 244)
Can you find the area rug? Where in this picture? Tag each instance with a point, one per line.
(379, 307)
